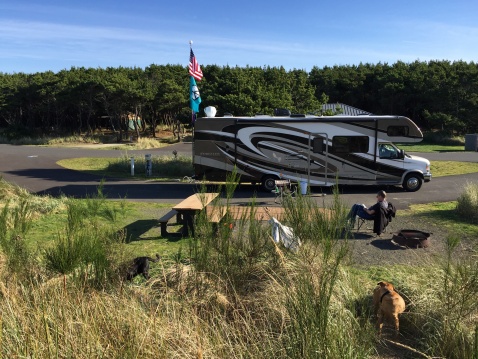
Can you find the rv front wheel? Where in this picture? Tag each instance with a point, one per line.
(269, 182)
(412, 182)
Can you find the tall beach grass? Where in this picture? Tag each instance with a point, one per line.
(236, 294)
(467, 205)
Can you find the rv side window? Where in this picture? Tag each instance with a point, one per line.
(348, 144)
(397, 131)
(318, 145)
(387, 150)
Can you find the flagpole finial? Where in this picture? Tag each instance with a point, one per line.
(190, 42)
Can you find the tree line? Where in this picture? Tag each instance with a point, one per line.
(440, 95)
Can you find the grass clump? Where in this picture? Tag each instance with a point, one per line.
(162, 166)
(38, 205)
(443, 138)
(14, 226)
(86, 242)
(144, 143)
(441, 307)
(174, 166)
(467, 203)
(320, 321)
(236, 252)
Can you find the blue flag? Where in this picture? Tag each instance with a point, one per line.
(194, 95)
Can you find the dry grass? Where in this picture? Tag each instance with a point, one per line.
(38, 205)
(182, 313)
(61, 318)
(251, 299)
(9, 191)
(163, 137)
(64, 320)
(467, 204)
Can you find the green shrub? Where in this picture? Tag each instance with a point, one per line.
(236, 251)
(38, 205)
(467, 206)
(86, 252)
(443, 138)
(320, 326)
(14, 225)
(314, 223)
(441, 315)
(68, 253)
(162, 166)
(87, 243)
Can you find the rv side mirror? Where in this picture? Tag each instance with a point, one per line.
(318, 145)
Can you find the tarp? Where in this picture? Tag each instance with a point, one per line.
(285, 235)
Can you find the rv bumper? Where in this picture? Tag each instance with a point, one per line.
(427, 177)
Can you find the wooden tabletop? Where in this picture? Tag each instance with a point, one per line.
(196, 201)
(260, 213)
(244, 212)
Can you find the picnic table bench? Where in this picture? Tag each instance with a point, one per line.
(163, 221)
(186, 210)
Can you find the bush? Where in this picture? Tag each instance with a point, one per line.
(443, 138)
(87, 243)
(467, 206)
(238, 253)
(14, 225)
(87, 252)
(441, 314)
(162, 166)
(38, 205)
(68, 253)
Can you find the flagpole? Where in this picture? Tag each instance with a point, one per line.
(196, 74)
(192, 111)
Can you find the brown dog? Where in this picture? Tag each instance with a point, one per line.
(388, 304)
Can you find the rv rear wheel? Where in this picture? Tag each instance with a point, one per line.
(412, 182)
(269, 182)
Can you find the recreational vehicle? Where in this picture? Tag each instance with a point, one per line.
(355, 150)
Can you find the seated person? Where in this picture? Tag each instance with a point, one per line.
(367, 213)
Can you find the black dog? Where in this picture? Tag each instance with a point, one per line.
(140, 265)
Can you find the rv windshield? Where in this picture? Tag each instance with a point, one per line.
(388, 150)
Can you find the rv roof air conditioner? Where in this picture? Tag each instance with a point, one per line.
(281, 112)
(210, 111)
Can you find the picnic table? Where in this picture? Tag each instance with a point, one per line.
(186, 210)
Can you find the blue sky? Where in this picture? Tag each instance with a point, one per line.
(54, 35)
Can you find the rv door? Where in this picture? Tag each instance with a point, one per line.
(318, 169)
(352, 159)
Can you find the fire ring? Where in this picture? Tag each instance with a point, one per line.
(412, 238)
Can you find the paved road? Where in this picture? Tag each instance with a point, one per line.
(35, 169)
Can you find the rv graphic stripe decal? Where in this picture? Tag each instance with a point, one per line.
(267, 147)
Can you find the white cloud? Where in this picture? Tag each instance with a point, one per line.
(61, 45)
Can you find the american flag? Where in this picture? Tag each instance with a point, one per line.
(194, 68)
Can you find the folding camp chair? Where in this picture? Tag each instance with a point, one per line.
(283, 188)
(362, 222)
(380, 221)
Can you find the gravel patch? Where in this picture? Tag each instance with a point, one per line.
(368, 249)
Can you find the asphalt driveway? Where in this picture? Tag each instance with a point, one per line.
(36, 169)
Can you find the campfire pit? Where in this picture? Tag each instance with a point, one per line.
(412, 238)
